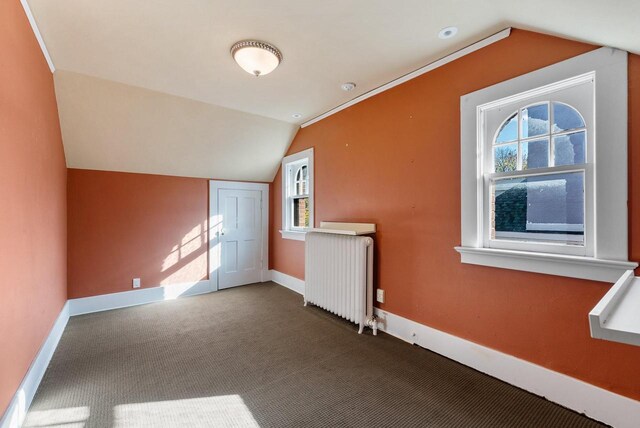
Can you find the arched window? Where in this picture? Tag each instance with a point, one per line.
(544, 170)
(536, 177)
(537, 180)
(541, 135)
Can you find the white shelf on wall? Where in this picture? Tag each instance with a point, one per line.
(617, 316)
(345, 228)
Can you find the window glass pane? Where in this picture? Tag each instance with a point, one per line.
(301, 184)
(505, 158)
(535, 154)
(509, 131)
(301, 212)
(566, 117)
(569, 149)
(535, 120)
(546, 208)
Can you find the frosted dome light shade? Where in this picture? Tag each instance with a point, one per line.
(257, 58)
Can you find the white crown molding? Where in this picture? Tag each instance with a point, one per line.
(582, 397)
(412, 75)
(36, 32)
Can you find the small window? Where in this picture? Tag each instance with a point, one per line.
(297, 185)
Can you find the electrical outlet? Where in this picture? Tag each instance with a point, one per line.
(136, 282)
(380, 295)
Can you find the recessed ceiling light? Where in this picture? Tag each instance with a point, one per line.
(296, 115)
(255, 57)
(349, 86)
(448, 32)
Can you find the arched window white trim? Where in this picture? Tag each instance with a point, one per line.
(595, 82)
(297, 195)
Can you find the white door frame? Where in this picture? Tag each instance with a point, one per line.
(215, 227)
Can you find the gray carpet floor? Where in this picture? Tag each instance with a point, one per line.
(253, 356)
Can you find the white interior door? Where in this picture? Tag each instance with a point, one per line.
(240, 237)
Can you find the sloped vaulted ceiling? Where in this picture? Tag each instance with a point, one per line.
(116, 127)
(182, 106)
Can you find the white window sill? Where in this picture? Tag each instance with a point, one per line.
(551, 264)
(295, 235)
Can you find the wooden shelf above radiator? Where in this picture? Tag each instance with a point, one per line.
(345, 228)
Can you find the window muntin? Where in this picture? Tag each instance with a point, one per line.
(525, 140)
(539, 175)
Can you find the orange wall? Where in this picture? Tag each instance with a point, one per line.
(124, 226)
(394, 160)
(32, 201)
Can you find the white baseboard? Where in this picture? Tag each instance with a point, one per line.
(597, 403)
(105, 302)
(17, 409)
(288, 281)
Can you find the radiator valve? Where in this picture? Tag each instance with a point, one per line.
(373, 323)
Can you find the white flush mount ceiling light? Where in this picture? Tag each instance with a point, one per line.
(255, 57)
(349, 86)
(296, 115)
(448, 32)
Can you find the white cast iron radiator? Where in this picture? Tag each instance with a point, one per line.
(339, 276)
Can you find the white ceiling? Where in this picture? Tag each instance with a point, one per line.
(181, 48)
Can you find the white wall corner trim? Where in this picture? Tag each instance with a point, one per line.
(288, 281)
(105, 302)
(36, 32)
(582, 397)
(17, 410)
(412, 75)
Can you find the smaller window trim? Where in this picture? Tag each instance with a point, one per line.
(290, 167)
